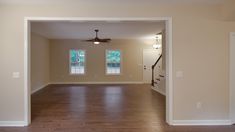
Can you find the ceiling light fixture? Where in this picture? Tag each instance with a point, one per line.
(158, 43)
(157, 46)
(96, 42)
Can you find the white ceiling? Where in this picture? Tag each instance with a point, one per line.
(85, 30)
(108, 1)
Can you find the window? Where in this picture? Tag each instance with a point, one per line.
(77, 61)
(113, 61)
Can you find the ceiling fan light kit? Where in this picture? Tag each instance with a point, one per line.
(96, 42)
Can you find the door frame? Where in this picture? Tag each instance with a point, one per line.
(147, 49)
(169, 74)
(231, 76)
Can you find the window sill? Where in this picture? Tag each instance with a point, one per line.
(113, 74)
(74, 74)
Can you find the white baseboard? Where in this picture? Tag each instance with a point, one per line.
(159, 91)
(96, 83)
(39, 88)
(201, 122)
(12, 123)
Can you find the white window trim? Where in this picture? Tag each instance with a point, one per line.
(77, 74)
(121, 65)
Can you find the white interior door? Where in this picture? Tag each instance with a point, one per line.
(232, 77)
(150, 56)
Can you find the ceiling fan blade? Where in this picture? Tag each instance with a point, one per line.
(88, 40)
(97, 39)
(104, 40)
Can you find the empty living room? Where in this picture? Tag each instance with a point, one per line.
(117, 66)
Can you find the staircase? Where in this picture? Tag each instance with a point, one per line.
(158, 77)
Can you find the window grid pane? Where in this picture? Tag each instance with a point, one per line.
(77, 61)
(113, 62)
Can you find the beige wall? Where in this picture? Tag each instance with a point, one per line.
(228, 10)
(40, 62)
(132, 58)
(200, 50)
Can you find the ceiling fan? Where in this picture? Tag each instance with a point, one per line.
(98, 40)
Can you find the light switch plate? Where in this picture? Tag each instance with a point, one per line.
(15, 75)
(179, 74)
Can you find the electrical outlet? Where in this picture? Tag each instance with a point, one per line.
(198, 105)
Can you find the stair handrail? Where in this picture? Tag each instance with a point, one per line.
(153, 66)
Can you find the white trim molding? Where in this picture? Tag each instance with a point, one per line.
(39, 88)
(12, 123)
(105, 19)
(201, 122)
(44, 86)
(169, 71)
(96, 83)
(231, 78)
(27, 69)
(169, 74)
(158, 90)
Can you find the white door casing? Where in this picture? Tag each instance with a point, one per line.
(232, 77)
(169, 64)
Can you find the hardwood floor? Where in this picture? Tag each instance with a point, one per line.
(102, 108)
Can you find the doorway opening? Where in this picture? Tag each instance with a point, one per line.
(168, 71)
(150, 56)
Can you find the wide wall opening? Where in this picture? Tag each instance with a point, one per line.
(98, 70)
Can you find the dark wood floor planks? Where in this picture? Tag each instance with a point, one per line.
(102, 108)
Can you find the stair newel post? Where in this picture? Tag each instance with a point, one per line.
(152, 75)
